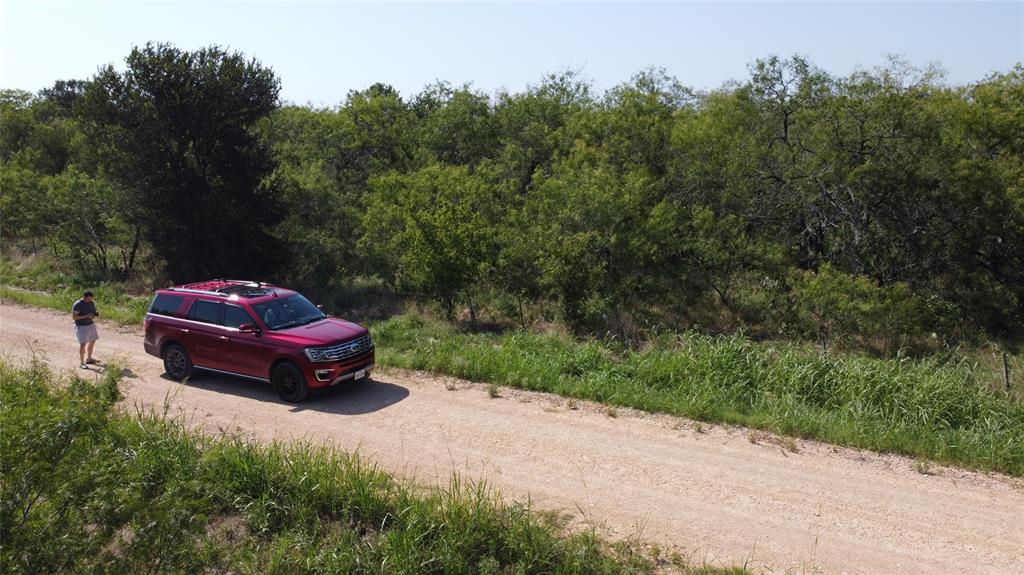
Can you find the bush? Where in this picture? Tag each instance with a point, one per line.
(84, 489)
(855, 311)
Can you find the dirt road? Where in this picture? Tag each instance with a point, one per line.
(715, 494)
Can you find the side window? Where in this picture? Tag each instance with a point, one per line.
(206, 311)
(235, 316)
(164, 304)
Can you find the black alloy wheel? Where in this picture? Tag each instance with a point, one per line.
(177, 364)
(289, 383)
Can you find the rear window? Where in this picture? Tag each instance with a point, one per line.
(164, 304)
(206, 311)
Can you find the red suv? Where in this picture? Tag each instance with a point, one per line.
(258, 331)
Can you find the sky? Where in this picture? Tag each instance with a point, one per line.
(322, 50)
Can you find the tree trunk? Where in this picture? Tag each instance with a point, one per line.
(135, 250)
(472, 312)
(724, 298)
(1006, 373)
(522, 318)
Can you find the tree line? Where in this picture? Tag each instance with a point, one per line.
(883, 209)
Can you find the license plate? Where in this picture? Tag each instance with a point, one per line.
(359, 374)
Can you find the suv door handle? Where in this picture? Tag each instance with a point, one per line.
(225, 338)
(184, 330)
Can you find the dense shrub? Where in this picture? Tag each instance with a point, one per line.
(871, 210)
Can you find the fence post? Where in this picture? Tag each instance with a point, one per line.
(1006, 373)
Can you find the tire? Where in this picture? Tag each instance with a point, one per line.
(289, 383)
(177, 363)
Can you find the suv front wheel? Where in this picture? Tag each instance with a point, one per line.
(177, 363)
(289, 383)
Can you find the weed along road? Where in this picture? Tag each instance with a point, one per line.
(718, 495)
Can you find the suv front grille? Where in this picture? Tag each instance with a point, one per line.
(348, 349)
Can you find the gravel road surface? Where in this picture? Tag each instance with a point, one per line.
(715, 494)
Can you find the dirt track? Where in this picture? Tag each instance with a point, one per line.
(714, 496)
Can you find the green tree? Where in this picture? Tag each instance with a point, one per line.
(176, 131)
(635, 121)
(23, 211)
(433, 228)
(320, 228)
(86, 224)
(40, 141)
(374, 133)
(595, 252)
(531, 126)
(458, 125)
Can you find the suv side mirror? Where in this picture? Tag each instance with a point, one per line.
(320, 306)
(248, 328)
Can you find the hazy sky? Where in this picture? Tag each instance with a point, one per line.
(321, 50)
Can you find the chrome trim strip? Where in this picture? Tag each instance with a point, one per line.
(231, 373)
(203, 323)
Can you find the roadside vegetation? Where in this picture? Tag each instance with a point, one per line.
(942, 408)
(946, 408)
(837, 257)
(88, 489)
(39, 282)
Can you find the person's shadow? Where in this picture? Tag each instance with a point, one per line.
(350, 398)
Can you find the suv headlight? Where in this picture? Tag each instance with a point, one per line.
(316, 354)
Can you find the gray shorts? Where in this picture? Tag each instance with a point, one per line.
(86, 333)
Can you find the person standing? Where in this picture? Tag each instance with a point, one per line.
(84, 312)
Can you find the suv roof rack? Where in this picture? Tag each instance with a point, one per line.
(236, 287)
(192, 290)
(247, 288)
(228, 288)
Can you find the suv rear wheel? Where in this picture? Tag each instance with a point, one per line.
(289, 383)
(177, 363)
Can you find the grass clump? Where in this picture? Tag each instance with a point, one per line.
(88, 490)
(939, 408)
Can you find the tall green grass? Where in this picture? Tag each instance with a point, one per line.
(38, 281)
(88, 490)
(112, 303)
(940, 409)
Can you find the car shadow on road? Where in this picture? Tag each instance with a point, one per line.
(365, 396)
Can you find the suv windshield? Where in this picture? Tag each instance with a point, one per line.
(288, 312)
